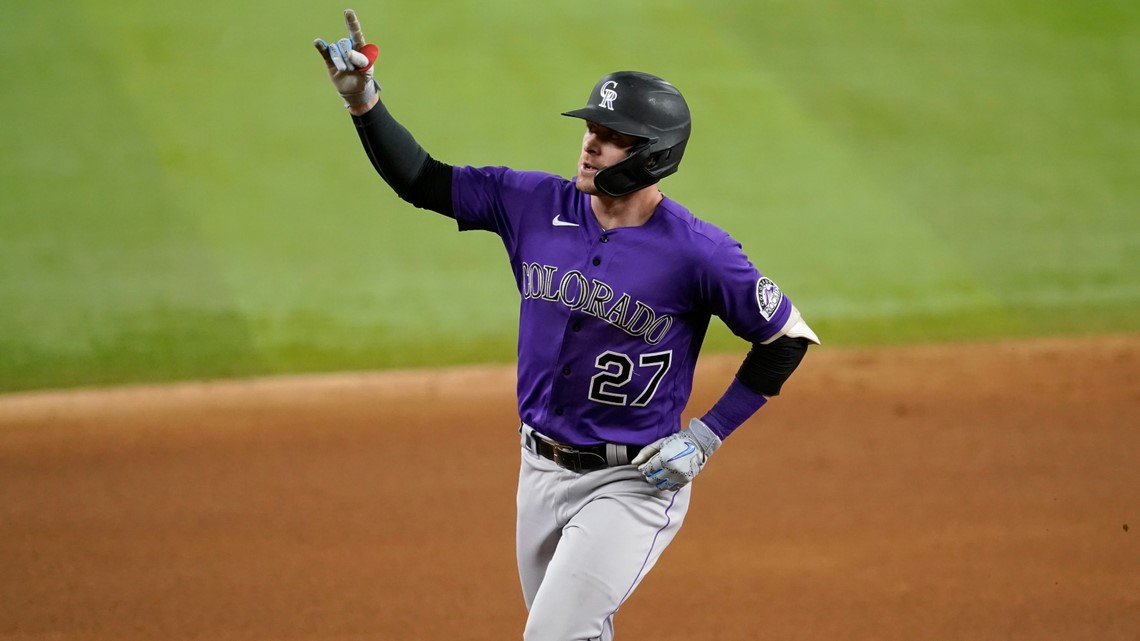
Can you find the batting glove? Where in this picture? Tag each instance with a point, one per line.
(672, 462)
(350, 61)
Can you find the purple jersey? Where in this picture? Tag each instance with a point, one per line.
(611, 322)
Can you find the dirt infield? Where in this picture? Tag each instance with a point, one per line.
(933, 493)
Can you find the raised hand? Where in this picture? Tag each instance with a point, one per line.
(350, 63)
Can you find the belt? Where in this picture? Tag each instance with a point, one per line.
(577, 458)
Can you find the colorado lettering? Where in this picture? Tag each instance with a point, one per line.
(596, 298)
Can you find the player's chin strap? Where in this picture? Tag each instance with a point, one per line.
(674, 461)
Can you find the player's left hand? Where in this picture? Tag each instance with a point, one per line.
(672, 462)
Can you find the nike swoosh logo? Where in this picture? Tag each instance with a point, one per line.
(689, 449)
(558, 222)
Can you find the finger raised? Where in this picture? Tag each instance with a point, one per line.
(353, 28)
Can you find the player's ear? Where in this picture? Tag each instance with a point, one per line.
(658, 158)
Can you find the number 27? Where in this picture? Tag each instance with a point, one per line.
(617, 371)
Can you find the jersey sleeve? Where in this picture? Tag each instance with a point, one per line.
(476, 194)
(751, 304)
(496, 199)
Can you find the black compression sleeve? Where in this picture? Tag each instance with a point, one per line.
(407, 168)
(766, 367)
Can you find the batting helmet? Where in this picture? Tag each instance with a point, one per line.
(645, 106)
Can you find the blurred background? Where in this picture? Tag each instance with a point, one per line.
(182, 195)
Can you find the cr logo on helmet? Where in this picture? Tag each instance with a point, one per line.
(608, 95)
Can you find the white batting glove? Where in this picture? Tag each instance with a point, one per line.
(350, 64)
(672, 462)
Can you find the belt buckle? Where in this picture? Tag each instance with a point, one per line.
(566, 457)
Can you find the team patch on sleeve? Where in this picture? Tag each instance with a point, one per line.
(768, 297)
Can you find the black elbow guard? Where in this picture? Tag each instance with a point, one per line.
(766, 367)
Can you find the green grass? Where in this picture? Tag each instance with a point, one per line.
(181, 195)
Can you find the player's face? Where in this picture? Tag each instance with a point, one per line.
(601, 147)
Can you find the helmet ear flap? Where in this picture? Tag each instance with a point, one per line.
(657, 158)
(628, 175)
(664, 162)
(641, 168)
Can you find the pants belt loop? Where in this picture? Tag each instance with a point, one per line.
(616, 455)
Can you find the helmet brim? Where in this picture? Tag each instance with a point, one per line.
(611, 120)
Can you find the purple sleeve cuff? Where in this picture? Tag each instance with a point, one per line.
(736, 406)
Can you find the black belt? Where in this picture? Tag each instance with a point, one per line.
(580, 458)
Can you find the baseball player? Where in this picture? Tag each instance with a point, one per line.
(617, 284)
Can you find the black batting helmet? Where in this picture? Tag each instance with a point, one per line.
(645, 106)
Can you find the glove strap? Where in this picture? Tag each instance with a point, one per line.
(705, 438)
(364, 97)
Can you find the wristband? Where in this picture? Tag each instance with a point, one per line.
(736, 406)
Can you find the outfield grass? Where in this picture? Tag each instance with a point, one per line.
(183, 197)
